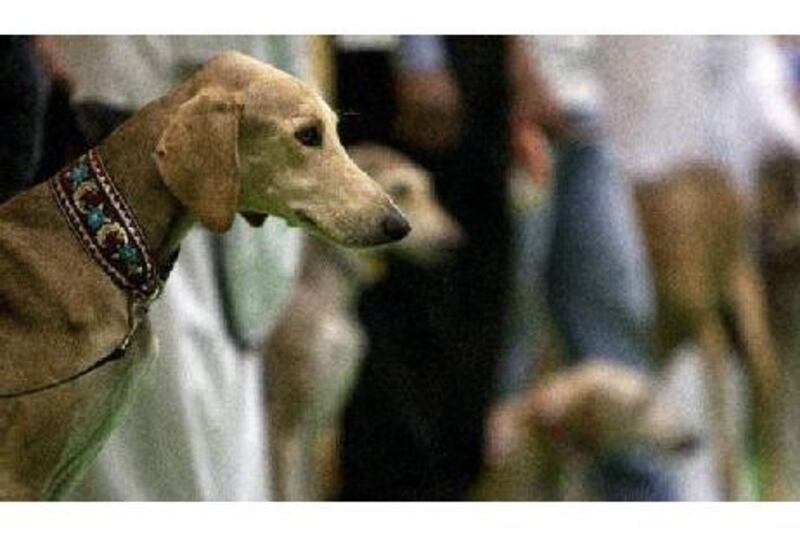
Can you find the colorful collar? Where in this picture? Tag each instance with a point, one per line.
(105, 225)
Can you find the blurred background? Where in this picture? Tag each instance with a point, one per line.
(598, 299)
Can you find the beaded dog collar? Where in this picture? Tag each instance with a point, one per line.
(103, 222)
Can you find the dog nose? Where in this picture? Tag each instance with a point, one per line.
(395, 226)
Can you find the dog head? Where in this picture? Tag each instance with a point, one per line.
(592, 409)
(435, 234)
(600, 407)
(251, 139)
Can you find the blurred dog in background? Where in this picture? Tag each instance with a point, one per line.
(314, 352)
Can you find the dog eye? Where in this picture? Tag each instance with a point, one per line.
(309, 136)
(399, 192)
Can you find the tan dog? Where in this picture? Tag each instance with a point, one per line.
(593, 409)
(710, 291)
(238, 136)
(314, 351)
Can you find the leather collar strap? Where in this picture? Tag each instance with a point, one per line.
(105, 225)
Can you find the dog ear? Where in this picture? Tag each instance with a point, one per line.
(198, 157)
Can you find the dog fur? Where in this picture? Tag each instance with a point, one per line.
(238, 136)
(315, 350)
(710, 291)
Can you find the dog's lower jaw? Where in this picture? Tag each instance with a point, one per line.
(399, 228)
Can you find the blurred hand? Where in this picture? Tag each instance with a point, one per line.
(530, 150)
(546, 114)
(532, 98)
(50, 58)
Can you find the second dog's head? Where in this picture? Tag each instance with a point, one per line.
(602, 407)
(251, 139)
(594, 408)
(435, 234)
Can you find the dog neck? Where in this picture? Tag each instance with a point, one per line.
(102, 221)
(118, 207)
(127, 155)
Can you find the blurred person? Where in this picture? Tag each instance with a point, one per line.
(584, 251)
(196, 429)
(413, 429)
(599, 294)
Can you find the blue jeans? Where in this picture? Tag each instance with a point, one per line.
(598, 289)
(598, 281)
